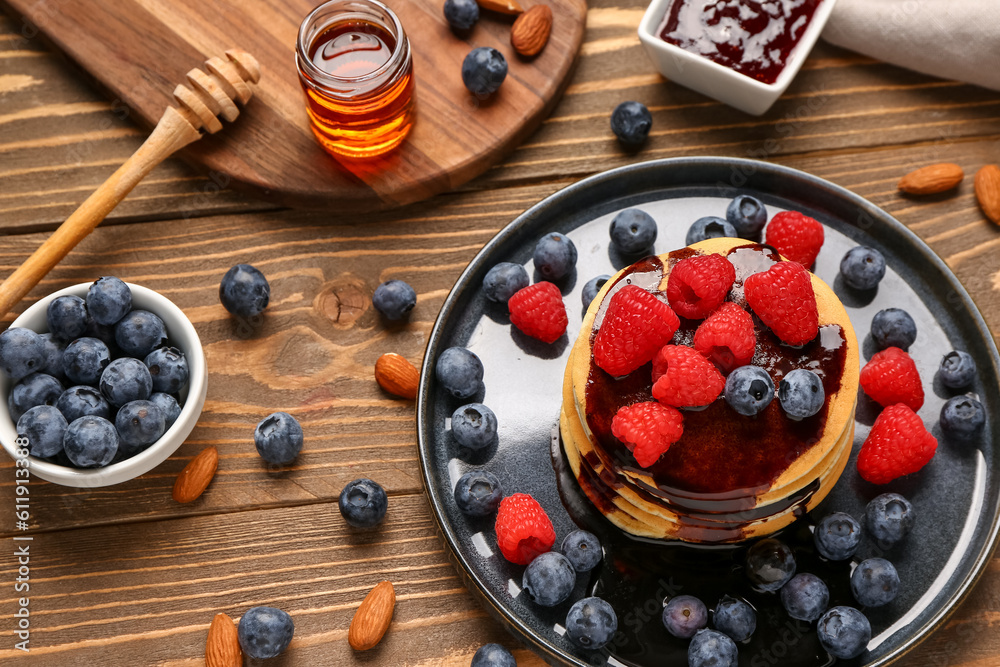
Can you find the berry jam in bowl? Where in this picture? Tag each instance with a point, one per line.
(744, 54)
(176, 352)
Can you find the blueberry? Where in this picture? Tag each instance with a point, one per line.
(735, 618)
(633, 232)
(478, 493)
(503, 280)
(591, 289)
(265, 632)
(168, 405)
(394, 299)
(85, 359)
(770, 564)
(889, 517)
(278, 438)
(90, 442)
(893, 327)
(36, 389)
(549, 579)
(459, 371)
(22, 352)
(874, 582)
(474, 426)
(684, 615)
(844, 632)
(962, 418)
(52, 354)
(67, 317)
(630, 121)
(591, 623)
(801, 394)
(126, 380)
(102, 332)
(749, 390)
(712, 649)
(493, 655)
(862, 267)
(44, 427)
(363, 503)
(139, 424)
(244, 291)
(583, 550)
(957, 370)
(461, 15)
(139, 333)
(483, 70)
(709, 227)
(837, 536)
(169, 369)
(108, 300)
(82, 400)
(747, 215)
(555, 256)
(805, 597)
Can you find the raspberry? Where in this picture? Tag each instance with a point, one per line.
(647, 429)
(784, 300)
(635, 327)
(727, 337)
(523, 529)
(697, 285)
(683, 378)
(797, 237)
(897, 445)
(538, 311)
(892, 377)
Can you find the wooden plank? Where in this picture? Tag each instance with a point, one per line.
(60, 138)
(140, 49)
(144, 594)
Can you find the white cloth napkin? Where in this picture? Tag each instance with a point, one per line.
(951, 39)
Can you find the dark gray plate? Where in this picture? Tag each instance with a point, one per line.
(956, 496)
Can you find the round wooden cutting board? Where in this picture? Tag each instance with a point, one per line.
(140, 49)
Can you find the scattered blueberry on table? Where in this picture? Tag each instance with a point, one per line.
(684, 615)
(265, 632)
(709, 227)
(770, 563)
(844, 632)
(894, 327)
(837, 536)
(278, 438)
(631, 122)
(363, 503)
(459, 371)
(549, 579)
(633, 232)
(874, 582)
(461, 14)
(583, 550)
(711, 648)
(805, 597)
(483, 71)
(592, 287)
(889, 518)
(591, 623)
(474, 426)
(555, 256)
(394, 299)
(493, 655)
(244, 291)
(957, 369)
(735, 618)
(503, 280)
(962, 418)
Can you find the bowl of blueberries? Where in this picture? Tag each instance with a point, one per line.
(105, 380)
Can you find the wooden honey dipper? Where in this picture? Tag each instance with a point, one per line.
(200, 103)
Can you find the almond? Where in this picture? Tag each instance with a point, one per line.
(531, 30)
(397, 375)
(932, 179)
(502, 6)
(988, 191)
(196, 476)
(372, 618)
(222, 649)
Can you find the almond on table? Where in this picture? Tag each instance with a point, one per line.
(932, 179)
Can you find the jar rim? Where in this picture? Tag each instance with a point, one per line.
(322, 76)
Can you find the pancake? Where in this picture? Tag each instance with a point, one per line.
(729, 477)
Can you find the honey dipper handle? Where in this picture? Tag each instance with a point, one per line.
(174, 131)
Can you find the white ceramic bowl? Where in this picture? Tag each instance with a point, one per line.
(719, 82)
(182, 335)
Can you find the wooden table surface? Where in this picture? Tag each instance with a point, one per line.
(125, 576)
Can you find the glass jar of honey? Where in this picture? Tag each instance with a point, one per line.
(356, 70)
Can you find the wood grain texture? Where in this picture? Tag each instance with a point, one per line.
(139, 49)
(123, 576)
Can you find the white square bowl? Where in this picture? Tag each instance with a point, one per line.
(717, 81)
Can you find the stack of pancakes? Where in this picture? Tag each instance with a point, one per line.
(729, 477)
